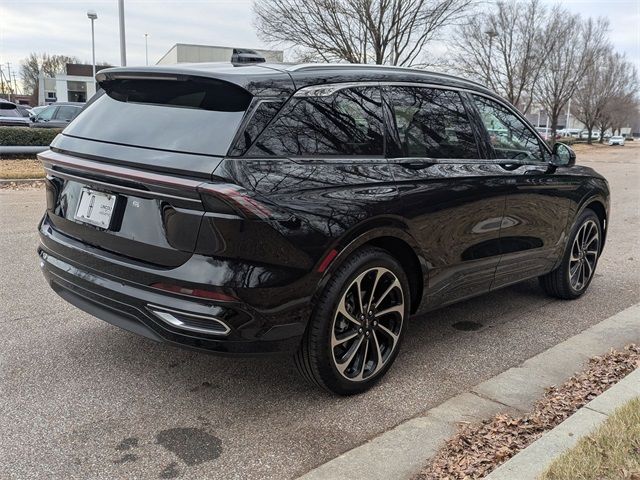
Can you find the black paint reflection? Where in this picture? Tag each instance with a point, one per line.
(346, 123)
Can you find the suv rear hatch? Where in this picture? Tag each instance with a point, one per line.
(124, 175)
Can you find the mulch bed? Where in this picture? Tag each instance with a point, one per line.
(477, 449)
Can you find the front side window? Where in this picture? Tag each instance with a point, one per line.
(46, 114)
(346, 123)
(510, 137)
(431, 123)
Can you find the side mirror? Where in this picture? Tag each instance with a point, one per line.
(563, 155)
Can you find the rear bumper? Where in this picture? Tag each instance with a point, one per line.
(213, 326)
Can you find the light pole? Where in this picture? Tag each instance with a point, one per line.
(491, 34)
(123, 47)
(91, 15)
(146, 49)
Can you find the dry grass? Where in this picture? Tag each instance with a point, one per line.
(611, 452)
(26, 167)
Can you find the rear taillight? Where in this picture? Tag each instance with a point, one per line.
(218, 196)
(195, 292)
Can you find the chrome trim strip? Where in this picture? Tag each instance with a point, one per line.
(165, 314)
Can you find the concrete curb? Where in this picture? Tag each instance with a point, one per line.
(402, 451)
(531, 462)
(19, 150)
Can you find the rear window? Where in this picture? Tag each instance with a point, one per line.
(193, 116)
(7, 110)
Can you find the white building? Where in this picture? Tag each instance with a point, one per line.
(188, 53)
(76, 85)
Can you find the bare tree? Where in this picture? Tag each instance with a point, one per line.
(392, 32)
(605, 95)
(505, 48)
(35, 63)
(578, 43)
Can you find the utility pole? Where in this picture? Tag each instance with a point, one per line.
(568, 115)
(91, 15)
(491, 34)
(123, 47)
(2, 87)
(15, 83)
(7, 79)
(146, 49)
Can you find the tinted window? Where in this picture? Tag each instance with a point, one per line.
(260, 118)
(345, 123)
(47, 113)
(67, 113)
(510, 137)
(183, 116)
(5, 112)
(431, 123)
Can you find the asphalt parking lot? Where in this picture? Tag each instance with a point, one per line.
(83, 399)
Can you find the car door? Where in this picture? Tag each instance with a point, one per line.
(447, 189)
(537, 195)
(63, 116)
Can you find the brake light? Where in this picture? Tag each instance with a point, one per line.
(194, 292)
(237, 198)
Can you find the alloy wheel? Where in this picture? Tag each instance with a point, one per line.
(584, 255)
(367, 324)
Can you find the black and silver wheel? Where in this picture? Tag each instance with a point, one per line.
(356, 329)
(571, 279)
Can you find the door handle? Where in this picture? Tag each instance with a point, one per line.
(510, 166)
(416, 164)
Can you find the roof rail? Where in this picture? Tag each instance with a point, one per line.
(368, 66)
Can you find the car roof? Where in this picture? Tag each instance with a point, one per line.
(58, 104)
(275, 79)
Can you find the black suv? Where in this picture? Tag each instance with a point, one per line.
(307, 209)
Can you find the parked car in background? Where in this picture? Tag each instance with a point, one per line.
(616, 140)
(36, 110)
(308, 209)
(24, 110)
(570, 132)
(595, 135)
(57, 115)
(11, 115)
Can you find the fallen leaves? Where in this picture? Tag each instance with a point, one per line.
(477, 449)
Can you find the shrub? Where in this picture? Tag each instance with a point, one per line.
(26, 137)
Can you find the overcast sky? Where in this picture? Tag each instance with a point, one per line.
(62, 27)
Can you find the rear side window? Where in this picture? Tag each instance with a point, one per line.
(192, 116)
(7, 112)
(67, 113)
(431, 123)
(347, 123)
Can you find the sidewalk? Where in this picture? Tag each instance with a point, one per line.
(401, 452)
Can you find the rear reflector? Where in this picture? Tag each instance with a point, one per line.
(327, 260)
(195, 292)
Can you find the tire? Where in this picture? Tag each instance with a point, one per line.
(339, 335)
(561, 283)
